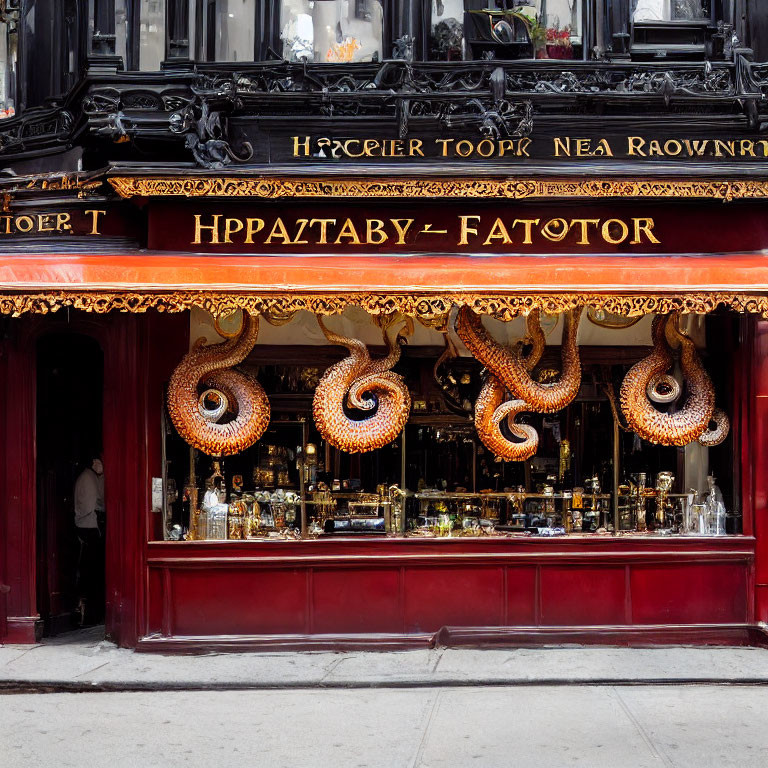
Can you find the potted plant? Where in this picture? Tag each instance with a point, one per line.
(558, 43)
(538, 34)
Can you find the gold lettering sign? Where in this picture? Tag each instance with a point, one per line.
(560, 147)
(463, 230)
(52, 222)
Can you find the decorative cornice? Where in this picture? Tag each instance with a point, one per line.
(430, 309)
(266, 187)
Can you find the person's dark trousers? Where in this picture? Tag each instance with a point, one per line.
(90, 576)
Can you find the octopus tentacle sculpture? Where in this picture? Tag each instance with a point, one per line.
(692, 420)
(493, 408)
(510, 365)
(210, 366)
(716, 435)
(364, 384)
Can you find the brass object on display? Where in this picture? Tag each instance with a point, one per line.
(211, 366)
(664, 482)
(354, 380)
(428, 308)
(686, 424)
(510, 188)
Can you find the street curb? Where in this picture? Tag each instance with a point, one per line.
(9, 687)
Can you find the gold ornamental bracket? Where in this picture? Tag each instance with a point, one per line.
(430, 309)
(505, 188)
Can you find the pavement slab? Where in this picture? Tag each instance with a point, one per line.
(660, 726)
(84, 660)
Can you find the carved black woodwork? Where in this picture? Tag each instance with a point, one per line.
(214, 115)
(204, 113)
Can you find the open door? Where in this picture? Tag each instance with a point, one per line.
(69, 434)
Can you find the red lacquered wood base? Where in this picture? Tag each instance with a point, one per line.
(387, 593)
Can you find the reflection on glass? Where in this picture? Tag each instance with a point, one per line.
(507, 29)
(8, 68)
(562, 19)
(667, 10)
(121, 31)
(446, 42)
(332, 31)
(151, 35)
(102, 24)
(223, 29)
(178, 28)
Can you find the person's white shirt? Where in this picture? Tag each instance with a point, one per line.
(89, 496)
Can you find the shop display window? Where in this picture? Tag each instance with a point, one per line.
(439, 475)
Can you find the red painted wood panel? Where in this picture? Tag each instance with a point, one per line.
(238, 601)
(521, 596)
(573, 595)
(689, 594)
(761, 603)
(356, 600)
(760, 362)
(155, 598)
(758, 458)
(453, 596)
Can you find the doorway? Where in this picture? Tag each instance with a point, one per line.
(70, 382)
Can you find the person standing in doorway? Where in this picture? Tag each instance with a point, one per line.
(89, 522)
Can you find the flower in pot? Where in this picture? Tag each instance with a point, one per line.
(558, 42)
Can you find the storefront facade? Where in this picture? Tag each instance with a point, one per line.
(473, 241)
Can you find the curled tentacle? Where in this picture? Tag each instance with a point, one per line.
(356, 397)
(220, 407)
(663, 388)
(365, 385)
(211, 366)
(712, 437)
(511, 368)
(685, 425)
(492, 408)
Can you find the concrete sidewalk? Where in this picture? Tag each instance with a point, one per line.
(697, 726)
(85, 661)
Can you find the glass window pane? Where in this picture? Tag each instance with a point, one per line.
(562, 19)
(178, 19)
(511, 30)
(668, 10)
(151, 35)
(446, 40)
(235, 21)
(331, 30)
(8, 69)
(121, 31)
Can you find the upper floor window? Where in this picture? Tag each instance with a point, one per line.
(669, 10)
(332, 31)
(144, 33)
(682, 29)
(44, 43)
(9, 60)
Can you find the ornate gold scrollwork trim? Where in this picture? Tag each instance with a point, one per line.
(431, 309)
(267, 187)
